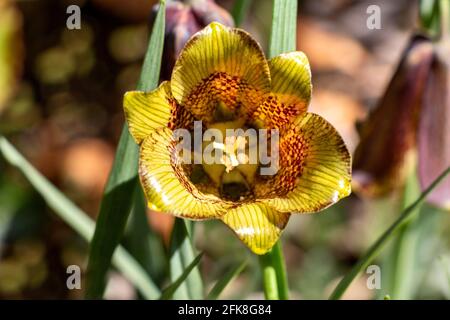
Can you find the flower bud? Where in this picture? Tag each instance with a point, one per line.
(388, 138)
(434, 128)
(207, 11)
(184, 19)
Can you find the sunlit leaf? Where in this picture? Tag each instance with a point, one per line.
(284, 27)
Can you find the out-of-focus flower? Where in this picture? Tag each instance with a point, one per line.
(389, 135)
(10, 49)
(434, 127)
(223, 79)
(182, 21)
(86, 164)
(413, 112)
(73, 57)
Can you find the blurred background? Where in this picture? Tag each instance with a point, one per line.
(61, 106)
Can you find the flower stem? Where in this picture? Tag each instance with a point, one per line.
(282, 39)
(274, 274)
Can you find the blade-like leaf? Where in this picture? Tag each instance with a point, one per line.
(375, 249)
(170, 290)
(77, 219)
(240, 10)
(401, 260)
(446, 266)
(225, 280)
(283, 36)
(429, 15)
(143, 243)
(123, 181)
(181, 253)
(114, 211)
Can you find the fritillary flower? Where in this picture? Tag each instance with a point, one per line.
(223, 80)
(410, 127)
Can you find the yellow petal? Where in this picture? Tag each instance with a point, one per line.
(257, 225)
(166, 186)
(290, 93)
(315, 168)
(220, 66)
(147, 111)
(291, 78)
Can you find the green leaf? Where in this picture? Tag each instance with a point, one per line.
(429, 16)
(401, 260)
(240, 10)
(114, 211)
(283, 36)
(181, 253)
(70, 213)
(135, 273)
(446, 266)
(152, 63)
(146, 246)
(375, 249)
(171, 289)
(225, 280)
(77, 219)
(123, 181)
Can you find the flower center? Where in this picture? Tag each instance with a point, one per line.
(230, 158)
